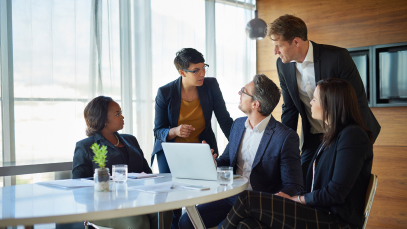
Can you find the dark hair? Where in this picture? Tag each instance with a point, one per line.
(340, 107)
(186, 56)
(267, 93)
(288, 27)
(96, 114)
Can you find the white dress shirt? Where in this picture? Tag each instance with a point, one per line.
(305, 74)
(248, 148)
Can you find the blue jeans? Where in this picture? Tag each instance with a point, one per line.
(212, 213)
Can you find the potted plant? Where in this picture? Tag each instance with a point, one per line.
(101, 176)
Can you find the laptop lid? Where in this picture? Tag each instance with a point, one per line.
(190, 160)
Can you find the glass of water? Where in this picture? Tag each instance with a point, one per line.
(119, 173)
(225, 175)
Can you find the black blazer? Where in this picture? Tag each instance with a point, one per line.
(342, 175)
(168, 105)
(83, 165)
(277, 164)
(329, 62)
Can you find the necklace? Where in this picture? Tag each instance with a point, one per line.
(117, 144)
(186, 95)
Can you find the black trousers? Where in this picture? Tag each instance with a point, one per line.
(265, 210)
(164, 168)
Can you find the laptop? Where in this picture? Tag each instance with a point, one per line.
(190, 160)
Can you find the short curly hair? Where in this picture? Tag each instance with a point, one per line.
(96, 114)
(288, 27)
(267, 93)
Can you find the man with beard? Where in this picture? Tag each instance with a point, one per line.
(260, 148)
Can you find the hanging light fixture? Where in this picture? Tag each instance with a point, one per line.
(256, 28)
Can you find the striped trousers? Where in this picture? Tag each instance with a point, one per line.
(265, 210)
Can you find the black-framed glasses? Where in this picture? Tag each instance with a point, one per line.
(242, 92)
(205, 68)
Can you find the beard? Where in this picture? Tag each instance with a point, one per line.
(246, 111)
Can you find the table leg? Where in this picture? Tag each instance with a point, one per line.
(195, 217)
(160, 220)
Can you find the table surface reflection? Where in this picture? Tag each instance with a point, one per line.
(35, 204)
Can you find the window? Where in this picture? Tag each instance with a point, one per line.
(65, 53)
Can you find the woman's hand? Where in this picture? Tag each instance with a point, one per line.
(214, 155)
(293, 198)
(182, 131)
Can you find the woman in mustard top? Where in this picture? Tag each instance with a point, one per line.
(183, 107)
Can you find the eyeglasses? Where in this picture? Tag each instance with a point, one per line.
(205, 68)
(242, 92)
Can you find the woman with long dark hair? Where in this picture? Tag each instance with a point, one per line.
(104, 118)
(337, 178)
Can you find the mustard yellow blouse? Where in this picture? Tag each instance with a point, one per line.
(191, 114)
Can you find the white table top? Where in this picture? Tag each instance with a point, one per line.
(35, 204)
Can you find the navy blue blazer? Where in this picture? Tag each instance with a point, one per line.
(329, 62)
(277, 164)
(83, 165)
(342, 174)
(168, 105)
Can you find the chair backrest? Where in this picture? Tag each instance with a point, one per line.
(371, 191)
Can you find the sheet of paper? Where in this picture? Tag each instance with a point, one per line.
(68, 184)
(141, 175)
(169, 186)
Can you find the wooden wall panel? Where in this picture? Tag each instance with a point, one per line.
(344, 23)
(394, 126)
(350, 24)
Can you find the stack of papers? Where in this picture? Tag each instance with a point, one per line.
(68, 184)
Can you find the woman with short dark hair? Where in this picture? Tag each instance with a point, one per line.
(104, 118)
(337, 178)
(183, 107)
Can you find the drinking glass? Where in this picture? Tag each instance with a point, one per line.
(119, 173)
(225, 175)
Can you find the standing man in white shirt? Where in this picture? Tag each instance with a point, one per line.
(301, 65)
(260, 148)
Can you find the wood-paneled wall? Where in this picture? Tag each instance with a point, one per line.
(351, 24)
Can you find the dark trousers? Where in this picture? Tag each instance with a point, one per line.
(164, 168)
(308, 151)
(265, 210)
(162, 162)
(212, 213)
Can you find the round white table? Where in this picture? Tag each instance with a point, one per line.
(37, 204)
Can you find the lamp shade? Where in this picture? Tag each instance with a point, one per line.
(256, 28)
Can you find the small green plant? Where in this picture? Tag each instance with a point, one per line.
(100, 155)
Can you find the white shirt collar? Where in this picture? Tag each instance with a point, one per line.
(260, 126)
(309, 58)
